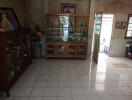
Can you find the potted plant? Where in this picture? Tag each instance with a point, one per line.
(36, 38)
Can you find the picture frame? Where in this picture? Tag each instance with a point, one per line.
(120, 25)
(8, 16)
(68, 8)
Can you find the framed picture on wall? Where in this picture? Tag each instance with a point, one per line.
(120, 25)
(8, 19)
(68, 8)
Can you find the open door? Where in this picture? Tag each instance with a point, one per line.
(97, 31)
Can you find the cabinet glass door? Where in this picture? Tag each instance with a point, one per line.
(72, 50)
(61, 49)
(82, 50)
(50, 49)
(13, 50)
(64, 23)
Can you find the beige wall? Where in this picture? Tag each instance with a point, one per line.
(36, 10)
(18, 6)
(82, 6)
(120, 9)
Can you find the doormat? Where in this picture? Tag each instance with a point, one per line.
(120, 65)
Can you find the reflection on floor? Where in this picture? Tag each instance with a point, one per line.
(121, 65)
(48, 79)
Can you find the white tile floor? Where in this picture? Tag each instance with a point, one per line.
(74, 80)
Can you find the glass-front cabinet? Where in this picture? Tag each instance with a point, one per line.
(64, 33)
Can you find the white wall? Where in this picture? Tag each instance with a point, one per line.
(118, 40)
(117, 48)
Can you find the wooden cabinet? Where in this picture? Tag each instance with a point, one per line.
(66, 50)
(15, 56)
(66, 36)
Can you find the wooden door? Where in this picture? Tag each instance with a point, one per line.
(97, 30)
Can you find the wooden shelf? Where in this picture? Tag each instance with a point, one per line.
(72, 15)
(68, 27)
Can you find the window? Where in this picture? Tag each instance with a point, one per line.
(129, 27)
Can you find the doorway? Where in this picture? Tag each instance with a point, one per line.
(106, 32)
(103, 25)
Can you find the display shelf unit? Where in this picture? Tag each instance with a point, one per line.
(66, 36)
(15, 56)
